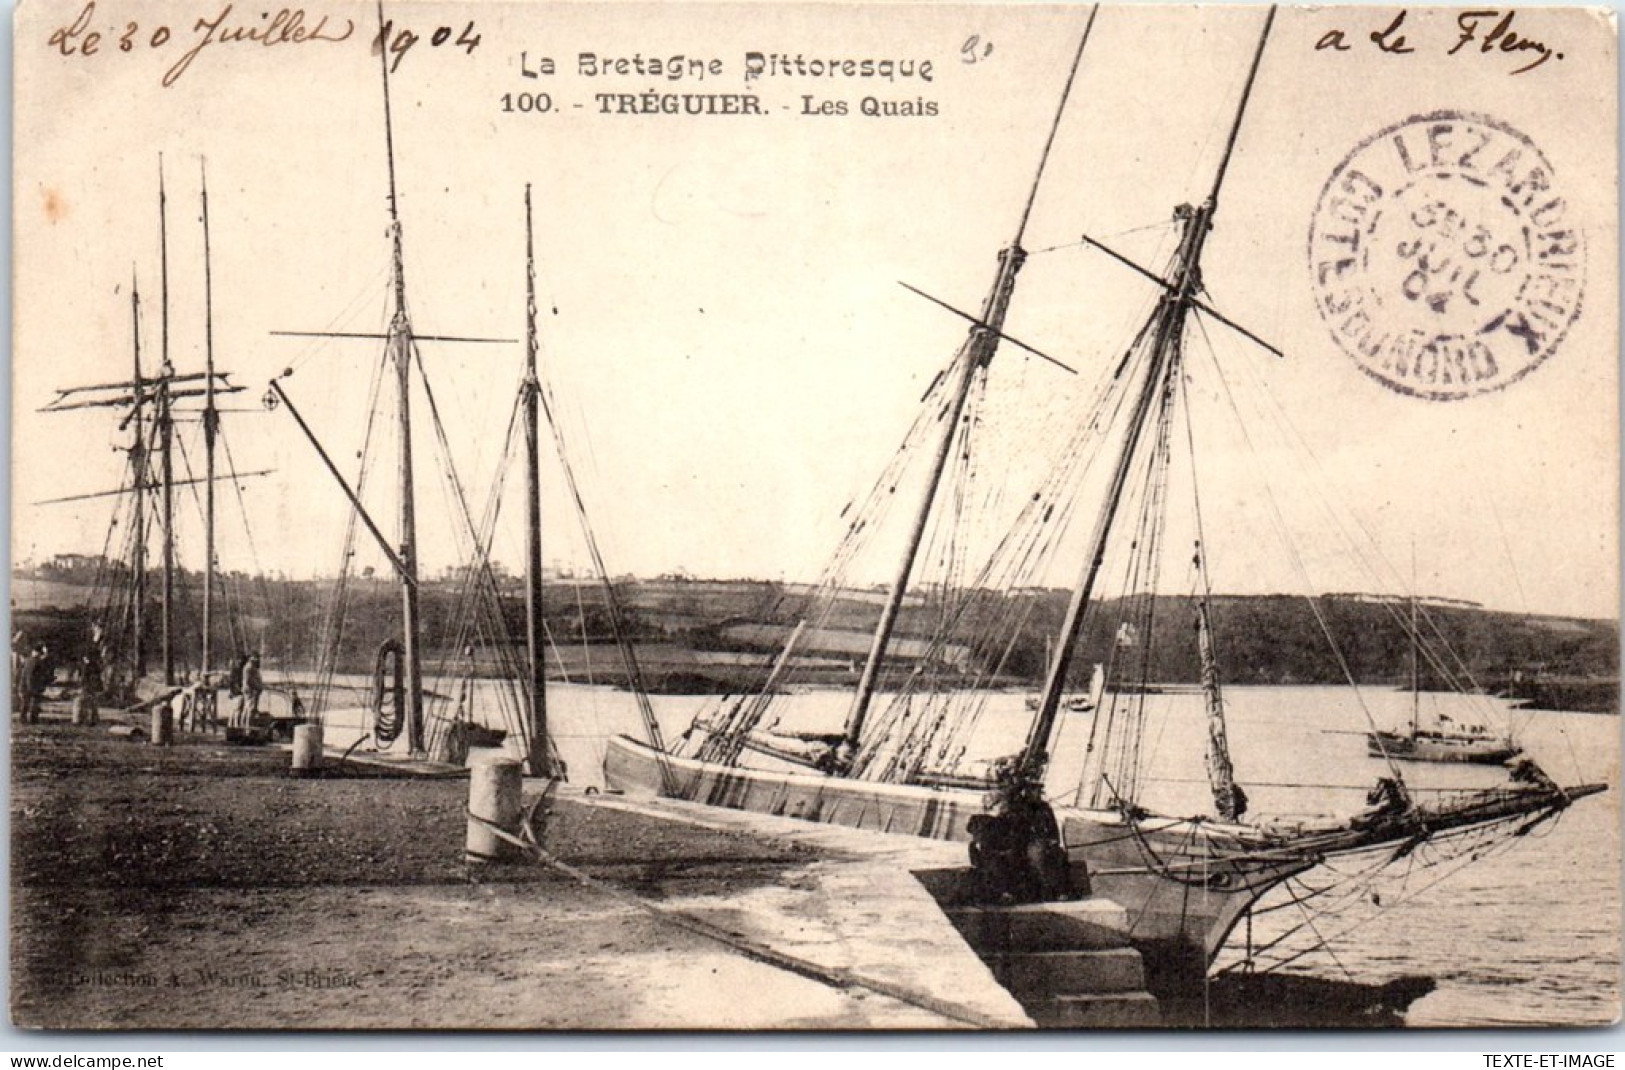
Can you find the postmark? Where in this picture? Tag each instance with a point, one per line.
(1444, 258)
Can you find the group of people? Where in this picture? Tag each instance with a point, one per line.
(194, 705)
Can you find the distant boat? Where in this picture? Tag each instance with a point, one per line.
(1080, 703)
(1474, 744)
(1541, 690)
(1446, 740)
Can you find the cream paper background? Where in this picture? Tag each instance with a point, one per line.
(729, 339)
(721, 311)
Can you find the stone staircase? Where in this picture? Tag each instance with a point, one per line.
(1069, 965)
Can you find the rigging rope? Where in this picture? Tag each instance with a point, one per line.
(330, 637)
(1361, 544)
(1293, 557)
(481, 605)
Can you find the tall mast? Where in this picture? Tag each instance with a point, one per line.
(1168, 320)
(540, 764)
(1416, 680)
(166, 436)
(400, 348)
(975, 353)
(1166, 332)
(211, 428)
(138, 462)
(1220, 770)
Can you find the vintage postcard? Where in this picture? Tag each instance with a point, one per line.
(805, 516)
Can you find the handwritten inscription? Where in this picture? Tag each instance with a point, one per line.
(975, 50)
(1482, 32)
(89, 36)
(400, 40)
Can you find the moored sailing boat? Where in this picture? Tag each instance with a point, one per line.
(1080, 703)
(399, 704)
(115, 659)
(1444, 740)
(1445, 743)
(484, 659)
(1184, 881)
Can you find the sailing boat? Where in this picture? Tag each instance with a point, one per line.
(1078, 703)
(1184, 881)
(399, 701)
(118, 648)
(1446, 740)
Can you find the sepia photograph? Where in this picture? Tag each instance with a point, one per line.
(807, 516)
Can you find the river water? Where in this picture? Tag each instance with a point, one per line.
(1527, 934)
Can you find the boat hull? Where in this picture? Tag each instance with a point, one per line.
(1183, 884)
(1423, 748)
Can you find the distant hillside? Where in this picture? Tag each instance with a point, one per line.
(1273, 639)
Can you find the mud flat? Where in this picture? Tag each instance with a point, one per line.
(200, 887)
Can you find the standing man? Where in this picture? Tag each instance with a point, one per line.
(19, 660)
(36, 676)
(234, 688)
(253, 686)
(87, 709)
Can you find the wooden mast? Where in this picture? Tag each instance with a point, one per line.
(539, 761)
(1166, 332)
(1169, 309)
(975, 353)
(1416, 671)
(138, 462)
(166, 437)
(211, 428)
(400, 347)
(1221, 771)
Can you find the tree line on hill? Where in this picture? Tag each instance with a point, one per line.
(1268, 639)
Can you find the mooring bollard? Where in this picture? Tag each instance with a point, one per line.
(494, 789)
(163, 726)
(307, 749)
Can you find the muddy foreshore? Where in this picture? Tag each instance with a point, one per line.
(200, 886)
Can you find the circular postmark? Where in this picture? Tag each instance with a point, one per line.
(1443, 259)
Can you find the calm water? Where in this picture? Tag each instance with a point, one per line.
(1527, 934)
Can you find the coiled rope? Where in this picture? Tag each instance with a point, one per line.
(388, 718)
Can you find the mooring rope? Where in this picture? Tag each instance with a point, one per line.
(751, 948)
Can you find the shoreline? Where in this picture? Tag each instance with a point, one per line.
(200, 886)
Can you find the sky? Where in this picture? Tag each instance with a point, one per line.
(720, 315)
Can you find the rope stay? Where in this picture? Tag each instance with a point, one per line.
(529, 841)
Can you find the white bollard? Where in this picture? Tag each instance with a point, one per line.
(163, 726)
(494, 795)
(307, 748)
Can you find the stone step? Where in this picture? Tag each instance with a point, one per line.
(1114, 1010)
(1087, 924)
(1054, 973)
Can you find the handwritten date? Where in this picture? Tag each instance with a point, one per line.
(86, 36)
